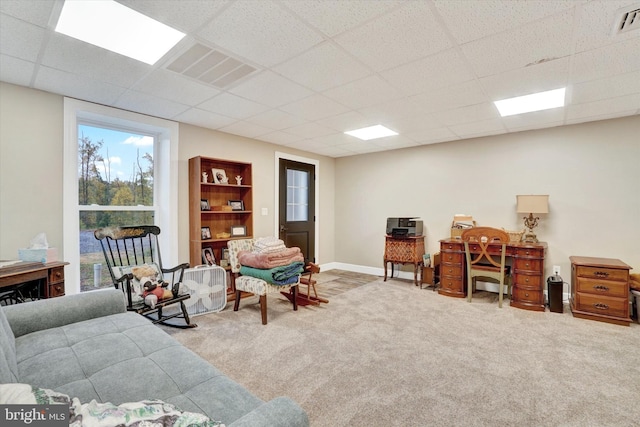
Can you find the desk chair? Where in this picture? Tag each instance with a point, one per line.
(482, 242)
(128, 248)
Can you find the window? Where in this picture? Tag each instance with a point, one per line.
(117, 172)
(297, 190)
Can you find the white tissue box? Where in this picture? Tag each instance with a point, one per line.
(38, 255)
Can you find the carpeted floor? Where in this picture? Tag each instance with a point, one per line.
(388, 353)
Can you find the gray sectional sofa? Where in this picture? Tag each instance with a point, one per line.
(88, 346)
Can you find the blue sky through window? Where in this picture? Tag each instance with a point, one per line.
(122, 148)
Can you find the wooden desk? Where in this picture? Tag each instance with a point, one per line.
(51, 274)
(527, 271)
(405, 250)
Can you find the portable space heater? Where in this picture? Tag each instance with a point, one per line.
(208, 289)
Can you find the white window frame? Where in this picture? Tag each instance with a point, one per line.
(165, 177)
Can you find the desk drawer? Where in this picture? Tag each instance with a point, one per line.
(527, 280)
(602, 273)
(451, 270)
(453, 247)
(56, 275)
(600, 304)
(602, 287)
(528, 264)
(454, 258)
(527, 295)
(529, 253)
(56, 290)
(453, 284)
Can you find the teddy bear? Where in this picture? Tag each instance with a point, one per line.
(153, 291)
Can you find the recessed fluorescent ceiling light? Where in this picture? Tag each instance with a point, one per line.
(534, 102)
(112, 26)
(371, 132)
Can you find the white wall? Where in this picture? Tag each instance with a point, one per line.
(591, 172)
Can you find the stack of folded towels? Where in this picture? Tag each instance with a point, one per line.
(272, 262)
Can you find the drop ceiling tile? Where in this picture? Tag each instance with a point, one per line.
(434, 72)
(336, 16)
(261, 31)
(618, 58)
(233, 106)
(454, 96)
(244, 128)
(333, 139)
(333, 151)
(546, 39)
(357, 146)
(175, 87)
(468, 114)
(205, 119)
(322, 67)
(309, 130)
(276, 119)
(595, 24)
(413, 123)
(36, 12)
(395, 142)
(478, 129)
(610, 87)
(270, 89)
(535, 120)
(468, 22)
(183, 15)
(524, 81)
(16, 71)
(314, 107)
(150, 105)
(403, 35)
(604, 109)
(77, 86)
(363, 93)
(281, 138)
(429, 136)
(398, 109)
(20, 39)
(346, 121)
(71, 55)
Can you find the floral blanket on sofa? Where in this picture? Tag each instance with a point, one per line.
(147, 413)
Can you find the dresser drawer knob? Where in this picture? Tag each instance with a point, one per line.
(527, 264)
(601, 288)
(526, 280)
(601, 306)
(450, 257)
(527, 253)
(450, 270)
(601, 274)
(526, 294)
(450, 247)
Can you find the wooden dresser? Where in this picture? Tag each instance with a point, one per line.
(600, 289)
(527, 269)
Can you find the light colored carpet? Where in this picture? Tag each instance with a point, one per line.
(391, 354)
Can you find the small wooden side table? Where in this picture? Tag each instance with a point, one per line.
(404, 250)
(431, 274)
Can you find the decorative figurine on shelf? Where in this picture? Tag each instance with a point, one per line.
(204, 176)
(239, 180)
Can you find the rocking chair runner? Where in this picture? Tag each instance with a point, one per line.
(126, 248)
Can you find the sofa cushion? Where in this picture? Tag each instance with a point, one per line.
(8, 361)
(125, 358)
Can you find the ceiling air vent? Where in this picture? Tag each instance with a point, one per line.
(210, 66)
(627, 20)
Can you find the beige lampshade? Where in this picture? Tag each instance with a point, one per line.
(533, 204)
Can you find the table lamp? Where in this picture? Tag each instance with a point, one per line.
(531, 204)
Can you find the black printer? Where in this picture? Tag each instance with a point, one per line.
(404, 227)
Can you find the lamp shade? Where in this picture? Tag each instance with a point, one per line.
(533, 203)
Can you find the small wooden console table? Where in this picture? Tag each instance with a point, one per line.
(404, 250)
(51, 274)
(527, 270)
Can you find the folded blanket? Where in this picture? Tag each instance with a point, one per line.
(270, 260)
(268, 245)
(284, 275)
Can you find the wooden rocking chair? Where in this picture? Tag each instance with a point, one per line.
(128, 248)
(307, 279)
